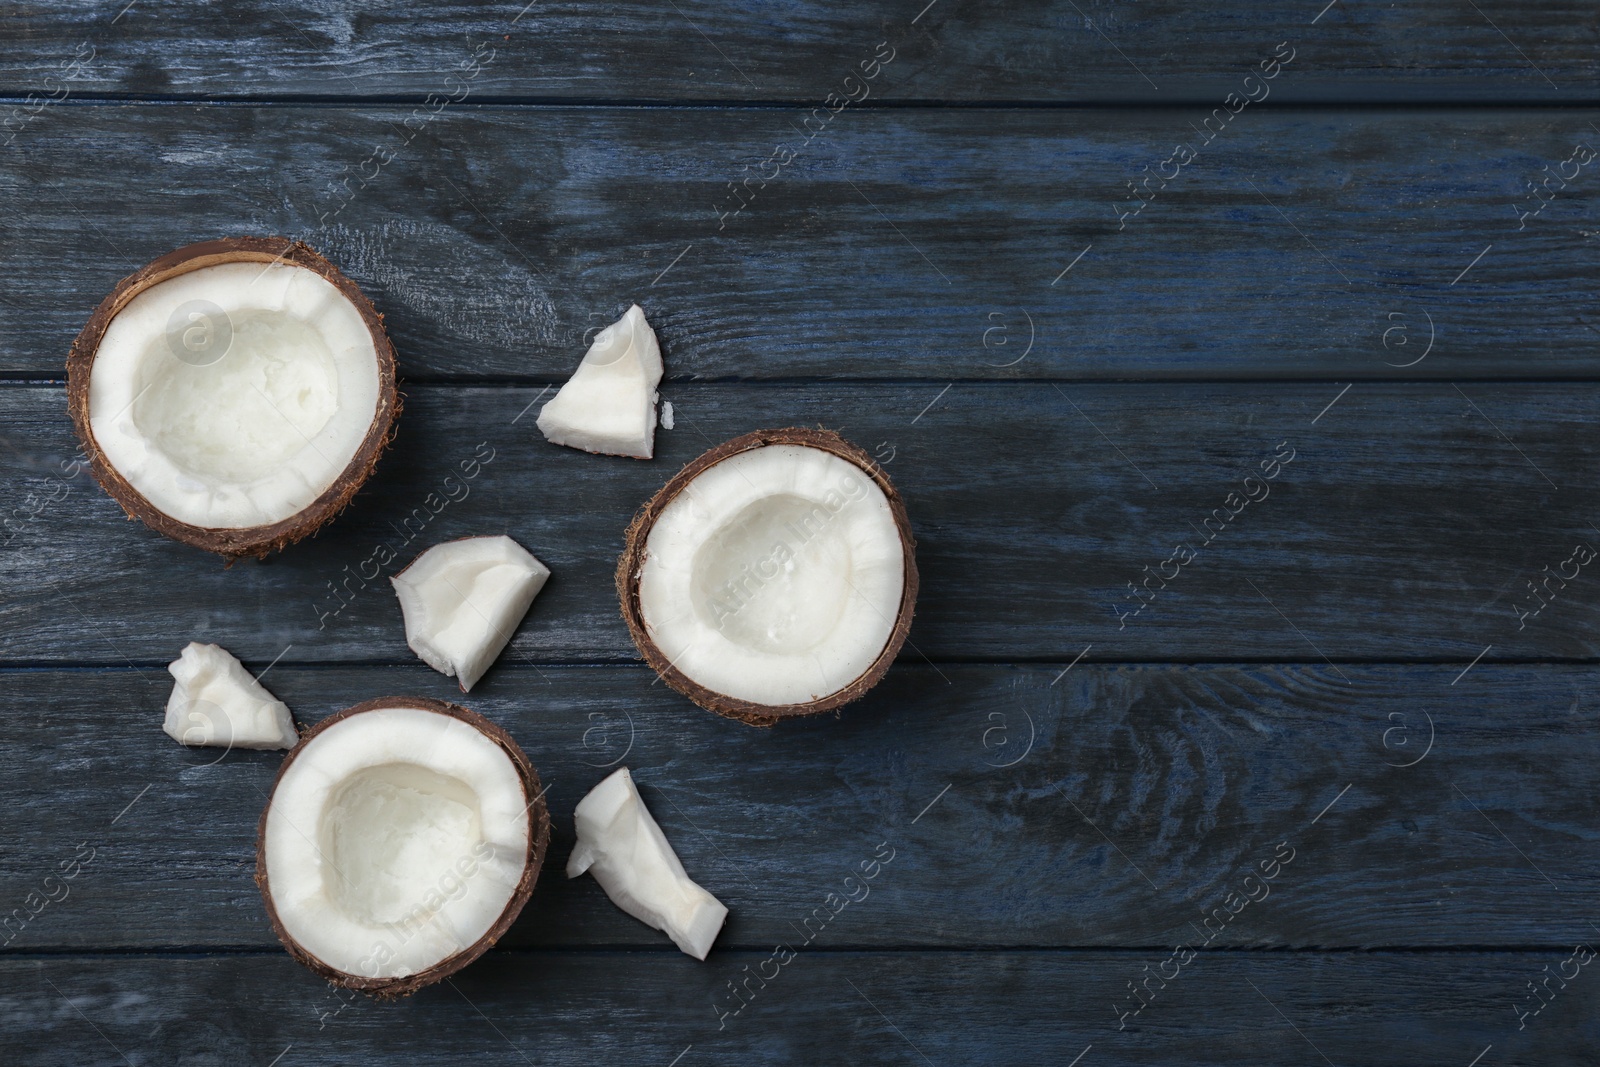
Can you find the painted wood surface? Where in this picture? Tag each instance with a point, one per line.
(1110, 806)
(1005, 1008)
(1328, 730)
(1105, 51)
(1403, 522)
(926, 243)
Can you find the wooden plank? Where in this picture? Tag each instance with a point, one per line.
(1160, 50)
(1409, 523)
(1012, 806)
(911, 243)
(1224, 1009)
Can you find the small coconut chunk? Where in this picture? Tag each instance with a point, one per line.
(215, 701)
(621, 845)
(462, 601)
(609, 403)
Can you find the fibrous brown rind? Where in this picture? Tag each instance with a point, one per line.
(538, 839)
(256, 541)
(633, 555)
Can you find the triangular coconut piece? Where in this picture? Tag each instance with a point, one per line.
(215, 701)
(462, 601)
(621, 845)
(609, 403)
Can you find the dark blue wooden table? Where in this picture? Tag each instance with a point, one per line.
(1237, 364)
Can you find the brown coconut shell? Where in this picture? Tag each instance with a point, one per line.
(633, 556)
(538, 839)
(254, 541)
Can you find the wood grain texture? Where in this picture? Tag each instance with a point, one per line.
(1114, 51)
(1379, 661)
(1114, 807)
(923, 243)
(1032, 1009)
(1408, 525)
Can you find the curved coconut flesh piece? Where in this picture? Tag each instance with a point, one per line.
(621, 845)
(609, 403)
(402, 838)
(234, 394)
(774, 576)
(462, 601)
(215, 701)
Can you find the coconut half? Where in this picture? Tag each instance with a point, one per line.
(234, 394)
(462, 601)
(215, 701)
(774, 576)
(620, 843)
(609, 403)
(402, 838)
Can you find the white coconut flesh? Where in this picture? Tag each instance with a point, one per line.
(462, 601)
(774, 576)
(235, 395)
(394, 841)
(623, 847)
(609, 403)
(215, 701)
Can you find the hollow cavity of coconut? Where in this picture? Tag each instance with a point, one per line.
(402, 838)
(234, 394)
(774, 576)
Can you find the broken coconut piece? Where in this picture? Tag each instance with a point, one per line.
(774, 576)
(233, 394)
(215, 701)
(401, 840)
(609, 403)
(621, 845)
(462, 601)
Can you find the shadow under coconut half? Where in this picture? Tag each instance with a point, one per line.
(402, 838)
(234, 394)
(774, 576)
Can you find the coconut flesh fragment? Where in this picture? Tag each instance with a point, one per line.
(609, 403)
(234, 396)
(621, 845)
(462, 600)
(401, 839)
(774, 577)
(215, 701)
